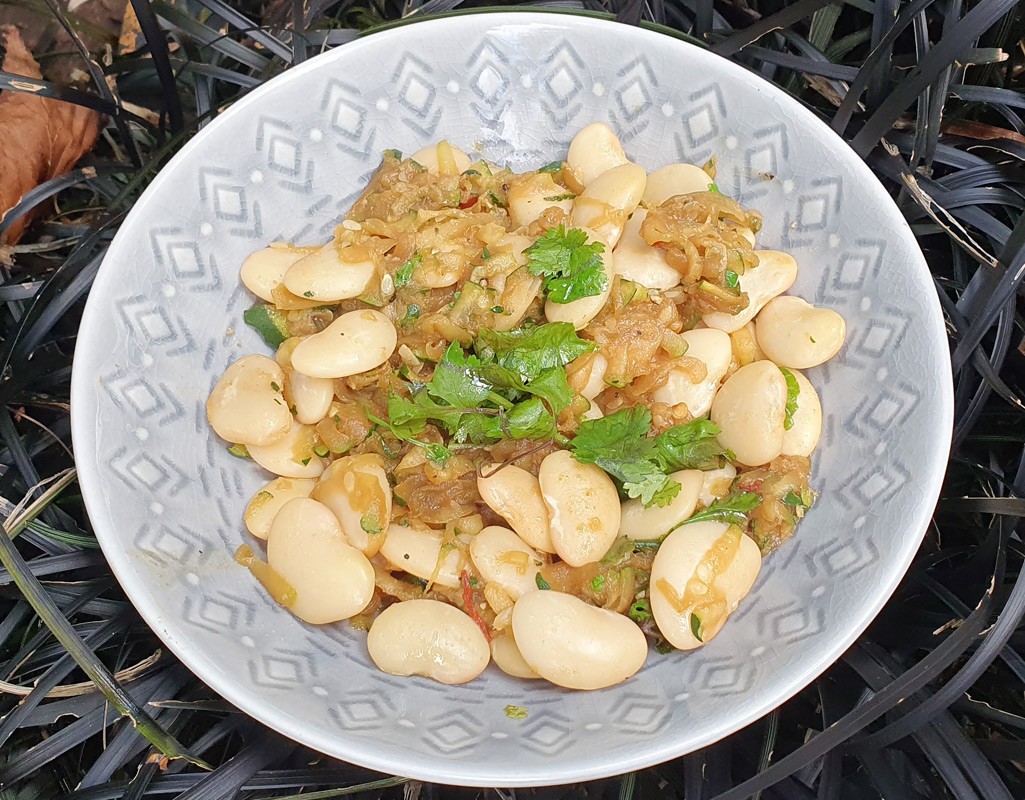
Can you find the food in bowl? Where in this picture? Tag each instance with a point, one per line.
(539, 419)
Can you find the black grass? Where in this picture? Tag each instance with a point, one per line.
(928, 705)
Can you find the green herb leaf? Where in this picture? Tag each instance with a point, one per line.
(713, 188)
(793, 390)
(515, 712)
(541, 582)
(267, 321)
(370, 524)
(555, 166)
(485, 254)
(695, 626)
(239, 451)
(404, 274)
(732, 509)
(392, 153)
(640, 611)
(532, 350)
(413, 312)
(793, 500)
(572, 268)
(732, 279)
(689, 446)
(457, 379)
(597, 582)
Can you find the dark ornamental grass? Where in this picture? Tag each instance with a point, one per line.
(929, 704)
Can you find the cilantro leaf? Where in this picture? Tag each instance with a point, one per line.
(531, 350)
(411, 421)
(640, 611)
(542, 584)
(695, 626)
(572, 268)
(267, 321)
(732, 508)
(404, 274)
(793, 390)
(457, 379)
(689, 446)
(552, 387)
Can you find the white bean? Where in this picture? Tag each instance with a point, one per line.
(305, 546)
(638, 261)
(267, 502)
(418, 551)
(594, 151)
(291, 456)
(775, 273)
(357, 491)
(246, 405)
(509, 659)
(501, 557)
(711, 347)
(442, 158)
(515, 494)
(583, 508)
(355, 342)
(594, 384)
(331, 273)
(264, 270)
(311, 397)
(429, 638)
(803, 436)
(750, 410)
(675, 179)
(639, 522)
(580, 312)
(608, 200)
(716, 483)
(702, 570)
(527, 198)
(573, 644)
(593, 412)
(794, 333)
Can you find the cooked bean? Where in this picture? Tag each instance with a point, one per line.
(331, 273)
(509, 659)
(638, 261)
(442, 158)
(588, 374)
(573, 644)
(594, 151)
(675, 179)
(311, 397)
(608, 200)
(355, 342)
(716, 483)
(428, 638)
(593, 412)
(305, 546)
(291, 456)
(750, 409)
(803, 436)
(268, 501)
(357, 491)
(515, 494)
(713, 349)
(583, 508)
(639, 522)
(502, 557)
(794, 333)
(418, 551)
(700, 574)
(246, 405)
(775, 273)
(529, 198)
(264, 270)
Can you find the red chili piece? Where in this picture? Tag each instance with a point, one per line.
(464, 579)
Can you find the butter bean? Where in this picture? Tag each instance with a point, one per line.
(576, 645)
(331, 273)
(583, 508)
(593, 412)
(775, 273)
(675, 179)
(428, 638)
(589, 377)
(311, 397)
(246, 405)
(639, 522)
(418, 551)
(291, 456)
(528, 198)
(713, 349)
(357, 491)
(716, 483)
(305, 546)
(515, 494)
(355, 342)
(608, 200)
(803, 436)
(264, 270)
(442, 158)
(796, 334)
(268, 501)
(501, 557)
(703, 569)
(509, 659)
(749, 408)
(594, 151)
(638, 261)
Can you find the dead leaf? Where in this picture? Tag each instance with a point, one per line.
(40, 138)
(981, 131)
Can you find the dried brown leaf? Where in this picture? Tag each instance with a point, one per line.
(40, 138)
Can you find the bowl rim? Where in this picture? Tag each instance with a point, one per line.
(350, 749)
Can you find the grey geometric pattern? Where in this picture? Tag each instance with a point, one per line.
(164, 319)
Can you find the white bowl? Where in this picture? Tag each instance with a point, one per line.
(165, 318)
